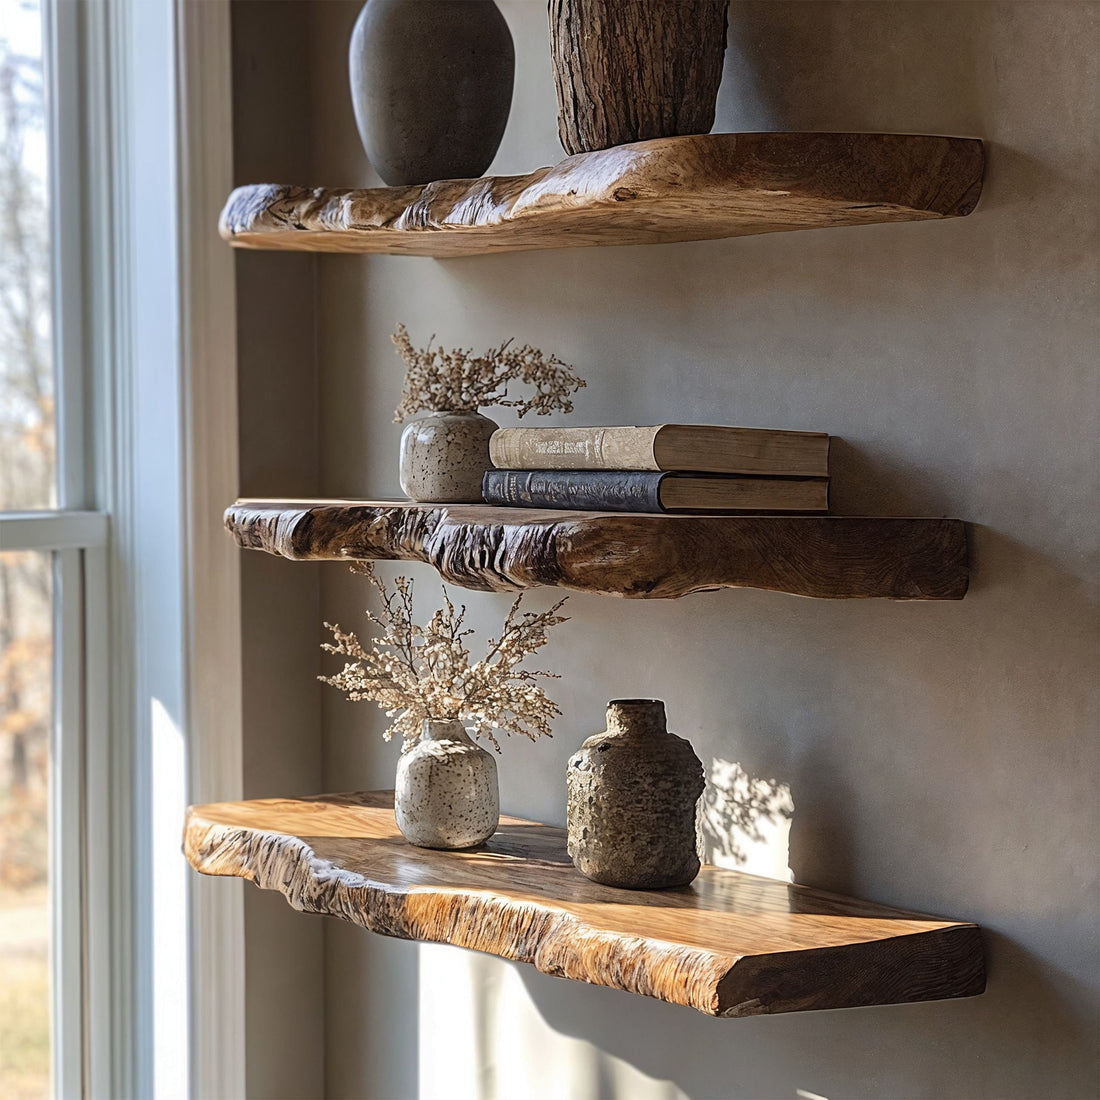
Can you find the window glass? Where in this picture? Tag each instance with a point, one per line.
(26, 658)
(28, 476)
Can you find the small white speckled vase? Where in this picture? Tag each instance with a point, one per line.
(446, 794)
(444, 456)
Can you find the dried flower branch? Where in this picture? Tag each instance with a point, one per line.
(418, 672)
(438, 380)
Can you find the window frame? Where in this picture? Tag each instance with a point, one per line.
(146, 586)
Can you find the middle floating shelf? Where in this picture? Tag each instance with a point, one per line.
(640, 556)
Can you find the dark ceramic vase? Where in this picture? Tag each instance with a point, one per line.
(431, 84)
(632, 795)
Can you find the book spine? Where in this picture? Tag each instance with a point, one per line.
(587, 491)
(618, 448)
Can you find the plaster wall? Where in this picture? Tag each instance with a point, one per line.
(938, 756)
(280, 608)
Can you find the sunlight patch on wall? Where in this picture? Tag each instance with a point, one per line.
(745, 822)
(483, 1038)
(169, 899)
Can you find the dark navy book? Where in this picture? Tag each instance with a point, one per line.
(652, 491)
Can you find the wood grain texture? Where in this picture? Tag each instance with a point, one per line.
(729, 944)
(639, 556)
(631, 70)
(668, 189)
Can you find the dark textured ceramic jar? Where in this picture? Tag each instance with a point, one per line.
(431, 84)
(632, 795)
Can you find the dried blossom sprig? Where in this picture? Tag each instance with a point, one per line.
(418, 672)
(457, 380)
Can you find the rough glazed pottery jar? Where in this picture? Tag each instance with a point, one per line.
(446, 794)
(632, 796)
(431, 85)
(444, 456)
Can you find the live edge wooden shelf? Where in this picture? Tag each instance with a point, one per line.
(730, 944)
(671, 189)
(621, 554)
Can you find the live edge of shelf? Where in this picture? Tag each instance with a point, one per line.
(635, 555)
(702, 187)
(730, 944)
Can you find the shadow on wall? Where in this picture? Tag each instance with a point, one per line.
(865, 482)
(794, 66)
(825, 1054)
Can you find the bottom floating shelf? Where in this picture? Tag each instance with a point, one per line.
(730, 944)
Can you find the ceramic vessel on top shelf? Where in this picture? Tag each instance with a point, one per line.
(431, 85)
(632, 796)
(444, 456)
(446, 794)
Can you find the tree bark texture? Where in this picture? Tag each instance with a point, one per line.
(631, 70)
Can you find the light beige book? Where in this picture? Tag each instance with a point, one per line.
(694, 448)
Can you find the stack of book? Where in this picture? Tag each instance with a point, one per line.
(664, 468)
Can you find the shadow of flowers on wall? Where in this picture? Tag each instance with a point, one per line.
(745, 822)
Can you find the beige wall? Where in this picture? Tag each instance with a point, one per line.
(938, 756)
(279, 454)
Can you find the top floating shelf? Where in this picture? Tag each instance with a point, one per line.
(672, 189)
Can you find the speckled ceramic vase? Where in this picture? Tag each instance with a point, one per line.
(444, 456)
(632, 795)
(446, 794)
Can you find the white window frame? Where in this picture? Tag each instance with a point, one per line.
(150, 966)
(77, 543)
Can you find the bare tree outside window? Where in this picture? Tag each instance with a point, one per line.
(25, 662)
(27, 429)
(27, 481)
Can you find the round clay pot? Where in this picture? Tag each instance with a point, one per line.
(431, 85)
(444, 456)
(632, 796)
(446, 794)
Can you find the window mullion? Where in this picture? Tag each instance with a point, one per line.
(67, 826)
(52, 530)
